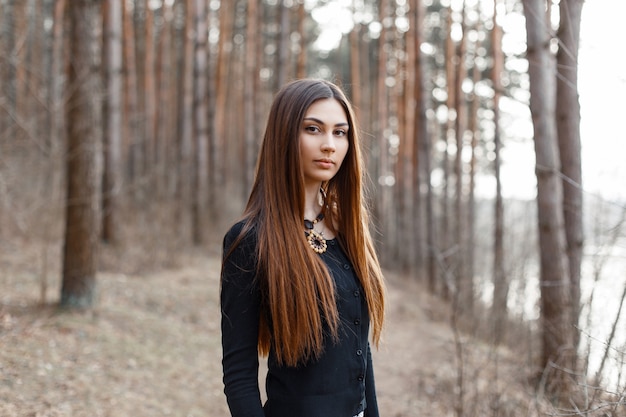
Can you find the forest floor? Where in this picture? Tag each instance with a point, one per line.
(151, 346)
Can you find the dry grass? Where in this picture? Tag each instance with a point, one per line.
(151, 346)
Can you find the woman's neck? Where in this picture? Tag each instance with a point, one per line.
(312, 206)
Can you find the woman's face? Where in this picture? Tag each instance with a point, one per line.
(324, 141)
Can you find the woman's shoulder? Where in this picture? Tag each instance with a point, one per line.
(242, 233)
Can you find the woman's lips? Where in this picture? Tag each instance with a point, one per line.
(325, 163)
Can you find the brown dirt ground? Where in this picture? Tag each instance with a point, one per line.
(151, 347)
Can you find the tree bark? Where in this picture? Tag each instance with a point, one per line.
(112, 121)
(282, 63)
(249, 95)
(131, 131)
(500, 282)
(423, 213)
(355, 65)
(302, 56)
(557, 349)
(568, 128)
(137, 147)
(185, 120)
(150, 93)
(8, 73)
(28, 83)
(166, 108)
(224, 49)
(83, 119)
(464, 281)
(383, 190)
(446, 241)
(408, 228)
(201, 134)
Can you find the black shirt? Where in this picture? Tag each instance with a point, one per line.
(338, 384)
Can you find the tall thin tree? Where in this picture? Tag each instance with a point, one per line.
(423, 206)
(557, 348)
(83, 119)
(222, 85)
(464, 281)
(282, 63)
(8, 78)
(200, 122)
(382, 131)
(568, 128)
(249, 94)
(446, 239)
(130, 116)
(500, 283)
(112, 120)
(185, 120)
(150, 95)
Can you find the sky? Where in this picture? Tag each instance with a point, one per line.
(602, 87)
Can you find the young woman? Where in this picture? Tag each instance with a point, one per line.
(301, 282)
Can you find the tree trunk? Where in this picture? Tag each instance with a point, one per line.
(568, 127)
(112, 120)
(249, 95)
(554, 275)
(214, 190)
(185, 119)
(138, 140)
(83, 118)
(224, 49)
(166, 109)
(383, 189)
(425, 241)
(8, 79)
(355, 65)
(149, 91)
(464, 282)
(28, 84)
(474, 131)
(282, 63)
(131, 100)
(57, 71)
(500, 282)
(451, 57)
(200, 122)
(51, 67)
(407, 194)
(302, 61)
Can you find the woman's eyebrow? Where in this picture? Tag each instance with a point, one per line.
(316, 120)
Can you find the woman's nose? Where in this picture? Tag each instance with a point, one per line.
(328, 145)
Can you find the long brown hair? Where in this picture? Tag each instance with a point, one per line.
(298, 291)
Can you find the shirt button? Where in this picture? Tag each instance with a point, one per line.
(357, 322)
(356, 293)
(361, 378)
(359, 352)
(346, 266)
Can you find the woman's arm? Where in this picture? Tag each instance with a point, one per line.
(370, 388)
(240, 303)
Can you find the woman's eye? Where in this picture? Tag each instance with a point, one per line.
(312, 129)
(340, 132)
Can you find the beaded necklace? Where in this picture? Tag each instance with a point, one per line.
(316, 239)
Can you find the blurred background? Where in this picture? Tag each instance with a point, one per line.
(129, 131)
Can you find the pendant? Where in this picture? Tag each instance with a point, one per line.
(316, 241)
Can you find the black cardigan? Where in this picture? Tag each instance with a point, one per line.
(338, 384)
